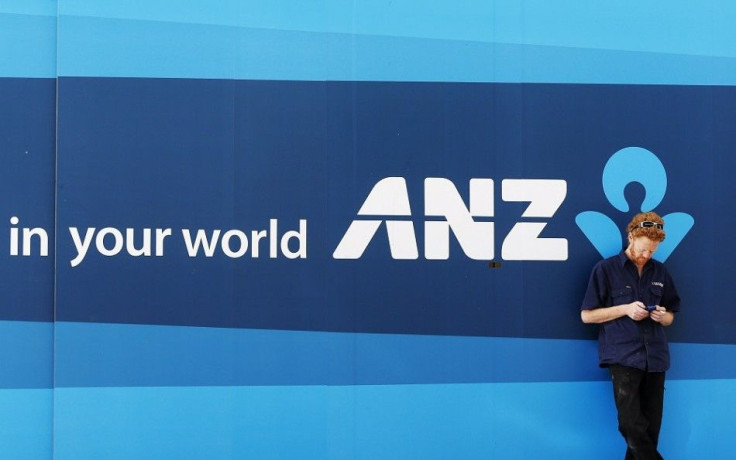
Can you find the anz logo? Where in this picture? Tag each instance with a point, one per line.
(445, 212)
(600, 229)
(388, 202)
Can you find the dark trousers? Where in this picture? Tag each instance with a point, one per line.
(639, 397)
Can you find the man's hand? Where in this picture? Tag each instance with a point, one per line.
(662, 316)
(637, 311)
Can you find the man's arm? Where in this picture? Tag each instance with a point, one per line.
(635, 310)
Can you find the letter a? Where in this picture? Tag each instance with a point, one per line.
(389, 197)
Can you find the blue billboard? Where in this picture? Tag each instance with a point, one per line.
(327, 230)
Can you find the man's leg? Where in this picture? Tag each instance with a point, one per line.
(632, 422)
(652, 394)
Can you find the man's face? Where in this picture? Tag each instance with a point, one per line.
(641, 249)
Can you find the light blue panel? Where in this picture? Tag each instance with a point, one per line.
(474, 421)
(26, 422)
(191, 423)
(26, 354)
(504, 421)
(702, 28)
(126, 48)
(698, 419)
(564, 420)
(131, 48)
(31, 7)
(27, 45)
(661, 26)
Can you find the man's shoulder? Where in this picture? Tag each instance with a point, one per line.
(609, 262)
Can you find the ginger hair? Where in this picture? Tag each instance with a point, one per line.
(653, 233)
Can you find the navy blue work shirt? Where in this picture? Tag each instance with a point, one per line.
(640, 344)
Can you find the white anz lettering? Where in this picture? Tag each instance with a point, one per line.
(441, 199)
(545, 197)
(389, 197)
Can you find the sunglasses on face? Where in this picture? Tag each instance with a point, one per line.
(648, 224)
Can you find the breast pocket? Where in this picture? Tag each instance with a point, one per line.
(622, 295)
(655, 295)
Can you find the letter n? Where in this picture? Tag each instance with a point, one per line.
(441, 199)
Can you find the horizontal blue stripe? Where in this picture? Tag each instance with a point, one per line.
(27, 45)
(32, 7)
(128, 355)
(659, 26)
(436, 41)
(26, 424)
(26, 354)
(130, 48)
(98, 355)
(386, 422)
(508, 421)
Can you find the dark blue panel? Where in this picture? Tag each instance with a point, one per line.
(234, 154)
(27, 130)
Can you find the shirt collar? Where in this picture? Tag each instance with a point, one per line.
(623, 258)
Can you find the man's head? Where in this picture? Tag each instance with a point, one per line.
(645, 232)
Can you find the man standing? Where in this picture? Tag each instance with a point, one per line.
(633, 298)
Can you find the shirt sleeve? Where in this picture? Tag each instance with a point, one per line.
(596, 292)
(670, 297)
